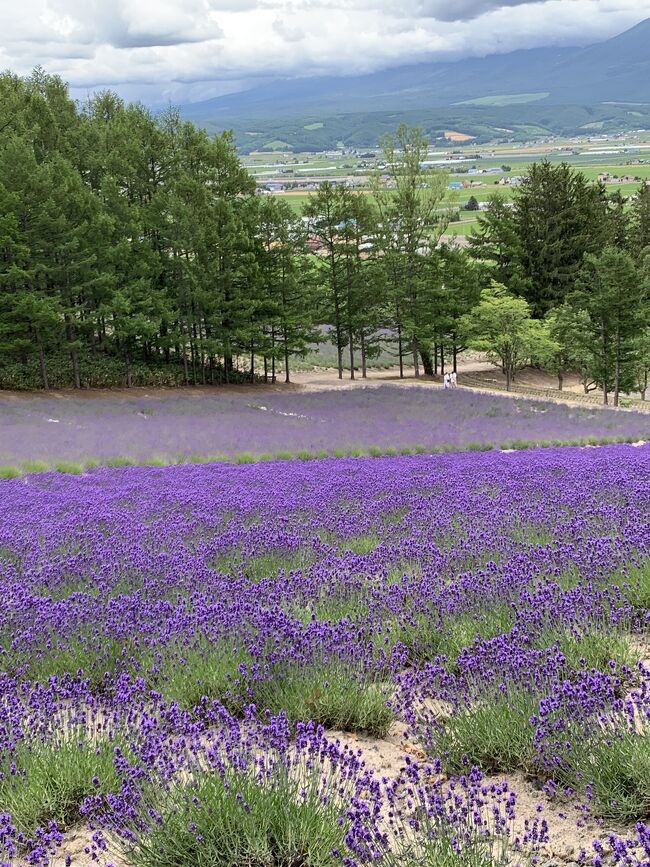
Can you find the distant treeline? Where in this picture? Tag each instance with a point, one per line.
(323, 131)
(134, 250)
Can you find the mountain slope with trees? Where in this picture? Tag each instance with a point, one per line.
(617, 71)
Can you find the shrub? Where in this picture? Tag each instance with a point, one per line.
(591, 648)
(495, 734)
(10, 472)
(237, 822)
(331, 694)
(70, 467)
(209, 669)
(637, 590)
(618, 769)
(120, 461)
(54, 777)
(35, 466)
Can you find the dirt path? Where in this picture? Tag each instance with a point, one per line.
(475, 374)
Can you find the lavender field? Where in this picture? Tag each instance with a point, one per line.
(177, 426)
(191, 656)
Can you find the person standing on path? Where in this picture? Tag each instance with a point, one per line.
(454, 379)
(446, 381)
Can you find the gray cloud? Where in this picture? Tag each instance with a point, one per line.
(193, 49)
(466, 10)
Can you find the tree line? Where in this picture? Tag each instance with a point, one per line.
(134, 250)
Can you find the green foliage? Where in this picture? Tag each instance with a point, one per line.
(501, 326)
(135, 252)
(207, 669)
(54, 778)
(428, 636)
(618, 768)
(263, 565)
(330, 693)
(236, 821)
(591, 648)
(637, 589)
(362, 545)
(494, 734)
(612, 299)
(9, 472)
(70, 467)
(539, 244)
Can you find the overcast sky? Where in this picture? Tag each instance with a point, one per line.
(185, 50)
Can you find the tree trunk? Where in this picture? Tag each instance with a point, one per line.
(129, 378)
(42, 365)
(560, 380)
(617, 366)
(186, 372)
(75, 368)
(427, 362)
(351, 348)
(266, 370)
(508, 377)
(364, 368)
(416, 363)
(193, 357)
(399, 350)
(272, 353)
(442, 359)
(435, 359)
(605, 366)
(337, 312)
(287, 376)
(455, 355)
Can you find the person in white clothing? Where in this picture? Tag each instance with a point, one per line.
(454, 378)
(446, 380)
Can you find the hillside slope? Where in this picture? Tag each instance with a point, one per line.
(615, 70)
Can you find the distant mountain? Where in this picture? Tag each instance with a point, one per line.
(617, 70)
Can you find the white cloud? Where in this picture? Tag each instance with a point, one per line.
(190, 49)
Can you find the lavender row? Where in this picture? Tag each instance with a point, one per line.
(192, 632)
(224, 423)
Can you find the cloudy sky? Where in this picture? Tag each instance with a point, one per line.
(186, 50)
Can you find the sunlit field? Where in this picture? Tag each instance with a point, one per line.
(192, 656)
(71, 432)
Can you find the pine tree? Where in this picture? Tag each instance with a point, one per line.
(557, 218)
(408, 227)
(614, 300)
(640, 221)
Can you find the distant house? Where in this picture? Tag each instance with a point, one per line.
(456, 185)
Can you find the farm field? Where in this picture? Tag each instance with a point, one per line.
(591, 157)
(192, 657)
(71, 431)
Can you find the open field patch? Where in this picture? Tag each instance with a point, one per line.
(190, 657)
(70, 432)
